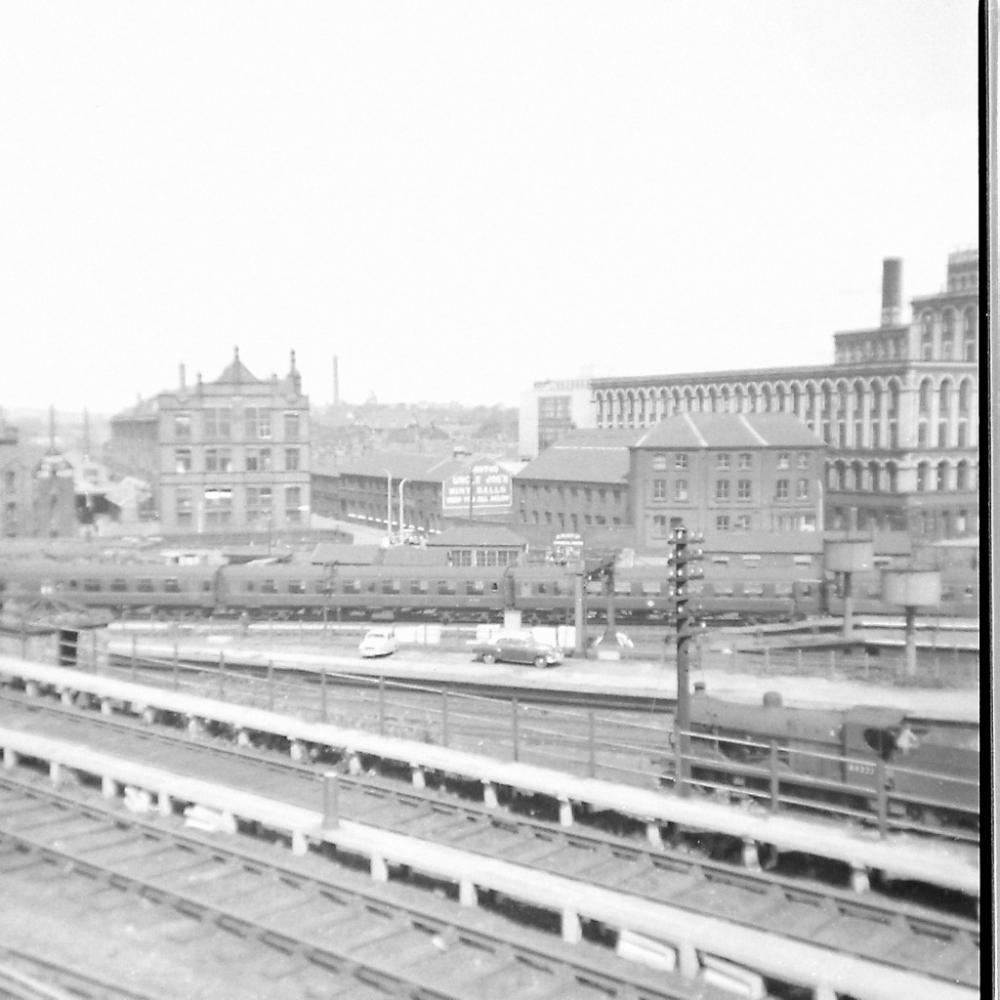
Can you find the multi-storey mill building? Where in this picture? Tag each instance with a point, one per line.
(897, 409)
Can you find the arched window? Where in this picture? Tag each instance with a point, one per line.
(738, 399)
(964, 395)
(944, 396)
(969, 327)
(842, 395)
(751, 399)
(926, 336)
(947, 334)
(941, 483)
(827, 397)
(891, 475)
(924, 396)
(796, 399)
(831, 476)
(962, 476)
(859, 476)
(841, 476)
(711, 399)
(724, 399)
(894, 392)
(922, 470)
(859, 399)
(874, 477)
(780, 398)
(699, 397)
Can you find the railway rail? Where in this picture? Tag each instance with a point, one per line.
(308, 929)
(910, 937)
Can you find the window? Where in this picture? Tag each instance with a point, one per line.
(802, 489)
(218, 460)
(922, 434)
(721, 560)
(217, 422)
(291, 426)
(182, 425)
(743, 489)
(258, 459)
(783, 459)
(293, 504)
(802, 560)
(185, 508)
(218, 505)
(722, 460)
(722, 489)
(744, 460)
(781, 489)
(722, 523)
(802, 460)
(742, 522)
(257, 422)
(659, 489)
(659, 526)
(291, 459)
(182, 460)
(659, 462)
(681, 490)
(259, 503)
(680, 461)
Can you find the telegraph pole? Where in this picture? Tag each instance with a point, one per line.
(682, 572)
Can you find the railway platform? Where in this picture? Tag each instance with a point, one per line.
(647, 679)
(693, 937)
(903, 857)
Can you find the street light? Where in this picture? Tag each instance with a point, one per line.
(402, 522)
(388, 504)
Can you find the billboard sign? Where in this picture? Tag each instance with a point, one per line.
(484, 489)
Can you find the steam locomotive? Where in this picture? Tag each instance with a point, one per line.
(545, 593)
(930, 774)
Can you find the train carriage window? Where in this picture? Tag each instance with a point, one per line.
(751, 559)
(720, 560)
(119, 586)
(144, 585)
(722, 589)
(446, 587)
(652, 587)
(542, 588)
(206, 586)
(268, 587)
(805, 589)
(92, 585)
(782, 589)
(593, 588)
(873, 590)
(753, 590)
(391, 586)
(296, 587)
(171, 585)
(352, 586)
(524, 590)
(249, 587)
(623, 587)
(475, 587)
(372, 586)
(419, 586)
(802, 560)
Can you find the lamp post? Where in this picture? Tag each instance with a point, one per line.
(402, 522)
(388, 504)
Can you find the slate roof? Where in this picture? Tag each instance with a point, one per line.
(477, 534)
(236, 373)
(584, 456)
(415, 467)
(327, 553)
(730, 430)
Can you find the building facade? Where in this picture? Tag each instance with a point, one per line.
(578, 484)
(725, 473)
(234, 454)
(897, 409)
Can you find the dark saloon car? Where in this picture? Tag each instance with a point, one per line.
(517, 649)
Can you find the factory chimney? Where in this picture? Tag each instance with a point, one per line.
(892, 287)
(336, 383)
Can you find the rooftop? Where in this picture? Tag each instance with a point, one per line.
(730, 430)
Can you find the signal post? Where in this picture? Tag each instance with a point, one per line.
(686, 551)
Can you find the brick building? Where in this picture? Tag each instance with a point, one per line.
(233, 454)
(577, 484)
(721, 473)
(897, 409)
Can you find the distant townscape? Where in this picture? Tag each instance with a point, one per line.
(883, 440)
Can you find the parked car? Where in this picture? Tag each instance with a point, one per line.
(378, 642)
(517, 649)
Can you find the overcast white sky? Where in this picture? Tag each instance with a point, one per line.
(461, 198)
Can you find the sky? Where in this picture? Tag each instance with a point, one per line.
(459, 198)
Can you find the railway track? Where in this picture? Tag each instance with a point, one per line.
(271, 928)
(885, 927)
